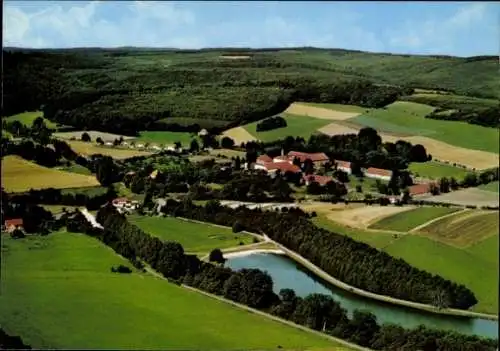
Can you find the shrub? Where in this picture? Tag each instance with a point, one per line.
(121, 269)
(237, 227)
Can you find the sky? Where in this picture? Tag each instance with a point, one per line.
(446, 28)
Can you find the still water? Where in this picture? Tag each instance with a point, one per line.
(286, 273)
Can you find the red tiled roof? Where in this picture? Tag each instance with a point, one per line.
(419, 189)
(281, 158)
(302, 156)
(15, 222)
(263, 159)
(282, 166)
(345, 164)
(322, 180)
(379, 171)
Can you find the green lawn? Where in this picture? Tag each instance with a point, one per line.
(27, 118)
(165, 138)
(487, 249)
(493, 186)
(407, 220)
(339, 107)
(408, 118)
(76, 168)
(435, 170)
(475, 272)
(297, 126)
(194, 237)
(375, 239)
(58, 292)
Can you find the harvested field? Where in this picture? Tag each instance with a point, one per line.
(362, 217)
(335, 129)
(471, 196)
(463, 229)
(453, 154)
(93, 135)
(235, 57)
(19, 175)
(319, 112)
(115, 152)
(239, 135)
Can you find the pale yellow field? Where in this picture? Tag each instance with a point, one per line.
(239, 135)
(362, 217)
(235, 57)
(19, 175)
(318, 112)
(92, 149)
(454, 154)
(335, 129)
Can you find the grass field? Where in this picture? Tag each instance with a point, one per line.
(435, 170)
(27, 119)
(58, 292)
(463, 229)
(194, 237)
(166, 138)
(408, 220)
(93, 135)
(493, 186)
(478, 273)
(469, 196)
(408, 118)
(19, 175)
(75, 168)
(298, 126)
(115, 152)
(487, 249)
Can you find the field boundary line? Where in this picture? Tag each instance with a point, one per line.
(264, 314)
(417, 228)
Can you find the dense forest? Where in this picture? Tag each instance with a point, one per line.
(254, 288)
(125, 91)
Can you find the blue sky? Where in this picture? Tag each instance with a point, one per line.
(459, 28)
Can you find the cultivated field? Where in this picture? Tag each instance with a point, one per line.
(335, 129)
(405, 221)
(239, 135)
(408, 119)
(338, 107)
(487, 249)
(93, 135)
(364, 216)
(473, 270)
(493, 186)
(436, 170)
(226, 152)
(166, 138)
(19, 175)
(234, 57)
(194, 237)
(115, 152)
(329, 113)
(58, 292)
(463, 229)
(297, 126)
(470, 196)
(27, 119)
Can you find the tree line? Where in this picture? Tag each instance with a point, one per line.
(472, 179)
(8, 342)
(271, 123)
(352, 262)
(254, 288)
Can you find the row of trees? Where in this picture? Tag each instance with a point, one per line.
(254, 288)
(445, 185)
(350, 261)
(271, 123)
(486, 117)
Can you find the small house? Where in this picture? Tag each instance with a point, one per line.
(344, 166)
(262, 159)
(316, 158)
(419, 189)
(202, 132)
(378, 173)
(321, 180)
(13, 224)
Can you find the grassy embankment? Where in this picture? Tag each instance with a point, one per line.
(58, 292)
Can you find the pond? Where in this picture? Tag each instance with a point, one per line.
(286, 273)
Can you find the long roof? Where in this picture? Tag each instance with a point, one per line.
(315, 157)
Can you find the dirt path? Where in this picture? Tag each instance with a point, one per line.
(417, 228)
(319, 112)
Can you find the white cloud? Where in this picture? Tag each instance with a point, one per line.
(437, 34)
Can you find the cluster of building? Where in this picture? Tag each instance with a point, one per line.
(124, 205)
(284, 163)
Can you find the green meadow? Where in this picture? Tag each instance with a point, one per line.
(27, 119)
(166, 138)
(405, 221)
(298, 126)
(493, 186)
(58, 292)
(194, 237)
(436, 170)
(409, 118)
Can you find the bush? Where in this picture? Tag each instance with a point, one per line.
(216, 256)
(237, 227)
(86, 137)
(121, 269)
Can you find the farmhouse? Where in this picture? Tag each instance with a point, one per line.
(273, 167)
(12, 224)
(419, 189)
(321, 180)
(343, 166)
(262, 159)
(317, 157)
(378, 173)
